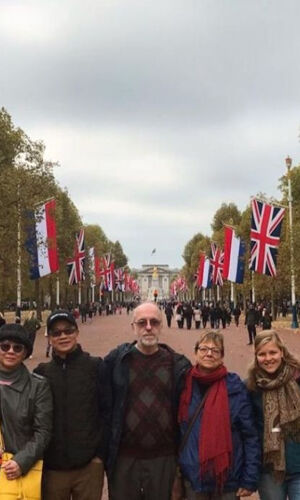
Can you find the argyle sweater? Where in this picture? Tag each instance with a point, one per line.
(149, 427)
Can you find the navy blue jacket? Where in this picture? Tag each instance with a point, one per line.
(117, 367)
(246, 461)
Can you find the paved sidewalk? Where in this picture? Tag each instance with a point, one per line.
(104, 333)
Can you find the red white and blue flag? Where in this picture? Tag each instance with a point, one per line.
(203, 272)
(75, 265)
(234, 251)
(265, 231)
(119, 279)
(216, 262)
(105, 272)
(41, 241)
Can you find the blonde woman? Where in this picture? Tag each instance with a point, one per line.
(273, 381)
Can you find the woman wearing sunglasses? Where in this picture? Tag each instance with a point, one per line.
(219, 454)
(273, 381)
(25, 404)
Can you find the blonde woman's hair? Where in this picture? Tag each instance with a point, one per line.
(214, 336)
(261, 339)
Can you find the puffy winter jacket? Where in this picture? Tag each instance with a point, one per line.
(81, 400)
(246, 460)
(26, 417)
(118, 368)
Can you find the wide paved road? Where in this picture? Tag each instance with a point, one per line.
(104, 333)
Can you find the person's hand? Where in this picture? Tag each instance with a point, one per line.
(11, 469)
(242, 492)
(177, 490)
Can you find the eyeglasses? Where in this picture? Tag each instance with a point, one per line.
(205, 350)
(17, 348)
(66, 331)
(142, 323)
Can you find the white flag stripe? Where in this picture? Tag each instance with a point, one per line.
(42, 244)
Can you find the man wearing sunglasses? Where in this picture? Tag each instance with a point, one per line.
(146, 378)
(74, 459)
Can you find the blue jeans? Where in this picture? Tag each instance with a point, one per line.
(269, 489)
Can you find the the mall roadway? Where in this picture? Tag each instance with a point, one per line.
(103, 333)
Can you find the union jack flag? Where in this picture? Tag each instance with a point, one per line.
(217, 263)
(265, 231)
(119, 279)
(75, 265)
(105, 272)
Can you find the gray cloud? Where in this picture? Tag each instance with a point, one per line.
(157, 111)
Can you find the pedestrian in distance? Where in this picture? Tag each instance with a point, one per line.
(32, 325)
(205, 314)
(219, 455)
(169, 313)
(236, 314)
(197, 316)
(146, 378)
(274, 385)
(74, 460)
(25, 409)
(179, 315)
(188, 314)
(251, 321)
(266, 319)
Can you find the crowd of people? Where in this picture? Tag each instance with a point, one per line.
(159, 426)
(217, 315)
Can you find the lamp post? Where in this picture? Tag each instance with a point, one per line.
(294, 324)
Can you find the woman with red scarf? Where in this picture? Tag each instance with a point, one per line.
(220, 454)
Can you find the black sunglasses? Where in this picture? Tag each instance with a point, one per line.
(66, 331)
(17, 348)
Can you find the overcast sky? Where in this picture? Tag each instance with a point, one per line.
(157, 111)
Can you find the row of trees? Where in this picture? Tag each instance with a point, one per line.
(27, 180)
(266, 288)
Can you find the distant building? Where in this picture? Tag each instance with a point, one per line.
(155, 278)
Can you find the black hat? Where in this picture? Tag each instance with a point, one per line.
(60, 314)
(13, 331)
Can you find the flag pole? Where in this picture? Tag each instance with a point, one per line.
(294, 324)
(19, 262)
(79, 293)
(232, 293)
(253, 287)
(57, 290)
(19, 277)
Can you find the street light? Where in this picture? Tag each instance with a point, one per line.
(288, 162)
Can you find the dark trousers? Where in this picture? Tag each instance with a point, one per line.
(169, 319)
(140, 479)
(251, 333)
(188, 322)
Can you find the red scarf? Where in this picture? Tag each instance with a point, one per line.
(215, 440)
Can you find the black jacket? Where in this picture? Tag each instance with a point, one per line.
(26, 415)
(118, 370)
(81, 399)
